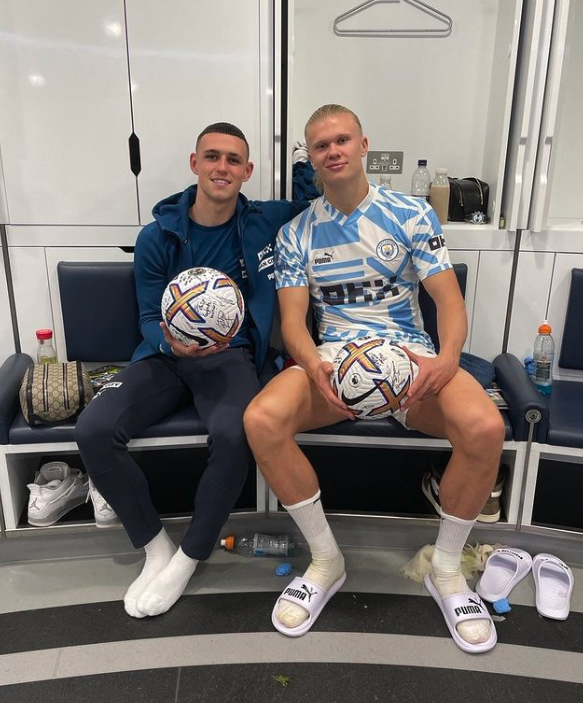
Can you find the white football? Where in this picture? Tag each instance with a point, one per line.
(372, 376)
(203, 305)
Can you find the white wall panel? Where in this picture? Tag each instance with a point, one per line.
(565, 203)
(3, 202)
(65, 112)
(6, 336)
(444, 99)
(531, 296)
(31, 291)
(470, 258)
(491, 302)
(192, 64)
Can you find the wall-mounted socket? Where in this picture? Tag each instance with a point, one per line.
(389, 162)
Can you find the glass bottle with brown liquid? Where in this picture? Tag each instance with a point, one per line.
(439, 194)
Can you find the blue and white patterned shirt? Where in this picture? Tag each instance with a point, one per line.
(363, 270)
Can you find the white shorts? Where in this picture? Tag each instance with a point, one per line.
(329, 350)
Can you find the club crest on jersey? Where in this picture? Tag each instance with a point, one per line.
(387, 249)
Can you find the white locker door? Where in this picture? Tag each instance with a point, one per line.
(536, 31)
(65, 113)
(556, 200)
(193, 64)
(534, 277)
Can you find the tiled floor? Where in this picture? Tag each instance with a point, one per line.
(65, 636)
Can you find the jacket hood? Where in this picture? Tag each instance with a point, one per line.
(172, 212)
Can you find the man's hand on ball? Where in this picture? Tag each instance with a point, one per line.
(191, 350)
(321, 377)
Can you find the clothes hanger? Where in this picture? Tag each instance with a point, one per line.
(421, 6)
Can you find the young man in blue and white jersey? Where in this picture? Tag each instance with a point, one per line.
(358, 255)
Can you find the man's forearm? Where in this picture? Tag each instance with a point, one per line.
(452, 328)
(300, 346)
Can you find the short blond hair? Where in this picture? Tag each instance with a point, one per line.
(328, 111)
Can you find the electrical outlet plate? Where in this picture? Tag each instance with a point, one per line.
(384, 162)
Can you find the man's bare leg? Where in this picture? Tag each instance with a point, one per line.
(289, 405)
(466, 416)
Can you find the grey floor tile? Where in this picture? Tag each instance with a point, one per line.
(337, 683)
(157, 686)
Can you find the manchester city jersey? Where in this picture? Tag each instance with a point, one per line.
(363, 270)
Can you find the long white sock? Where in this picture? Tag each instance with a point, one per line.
(167, 587)
(159, 551)
(327, 564)
(447, 572)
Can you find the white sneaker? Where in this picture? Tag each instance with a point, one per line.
(104, 513)
(56, 490)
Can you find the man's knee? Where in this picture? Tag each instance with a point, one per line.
(229, 440)
(260, 419)
(483, 434)
(93, 431)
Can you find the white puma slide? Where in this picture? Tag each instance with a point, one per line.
(309, 596)
(505, 568)
(462, 607)
(554, 583)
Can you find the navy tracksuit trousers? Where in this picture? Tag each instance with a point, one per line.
(221, 386)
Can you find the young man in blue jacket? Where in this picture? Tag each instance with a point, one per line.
(213, 225)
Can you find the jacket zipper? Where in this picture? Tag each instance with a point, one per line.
(247, 307)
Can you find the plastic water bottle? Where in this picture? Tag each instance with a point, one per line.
(259, 545)
(45, 353)
(386, 182)
(421, 180)
(544, 354)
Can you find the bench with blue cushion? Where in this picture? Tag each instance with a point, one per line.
(565, 425)
(100, 322)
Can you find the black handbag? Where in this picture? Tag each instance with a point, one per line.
(468, 200)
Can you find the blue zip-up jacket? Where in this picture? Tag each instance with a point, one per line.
(162, 252)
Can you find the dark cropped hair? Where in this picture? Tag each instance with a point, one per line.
(223, 128)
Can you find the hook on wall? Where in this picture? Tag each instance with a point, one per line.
(439, 32)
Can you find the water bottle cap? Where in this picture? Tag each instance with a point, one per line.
(44, 334)
(545, 328)
(228, 542)
(441, 171)
(422, 162)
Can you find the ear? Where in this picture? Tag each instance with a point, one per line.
(364, 146)
(193, 167)
(248, 171)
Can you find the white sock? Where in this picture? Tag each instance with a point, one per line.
(159, 551)
(447, 572)
(167, 587)
(327, 564)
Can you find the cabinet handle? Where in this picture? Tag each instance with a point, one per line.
(135, 157)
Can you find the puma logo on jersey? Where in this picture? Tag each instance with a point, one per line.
(325, 259)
